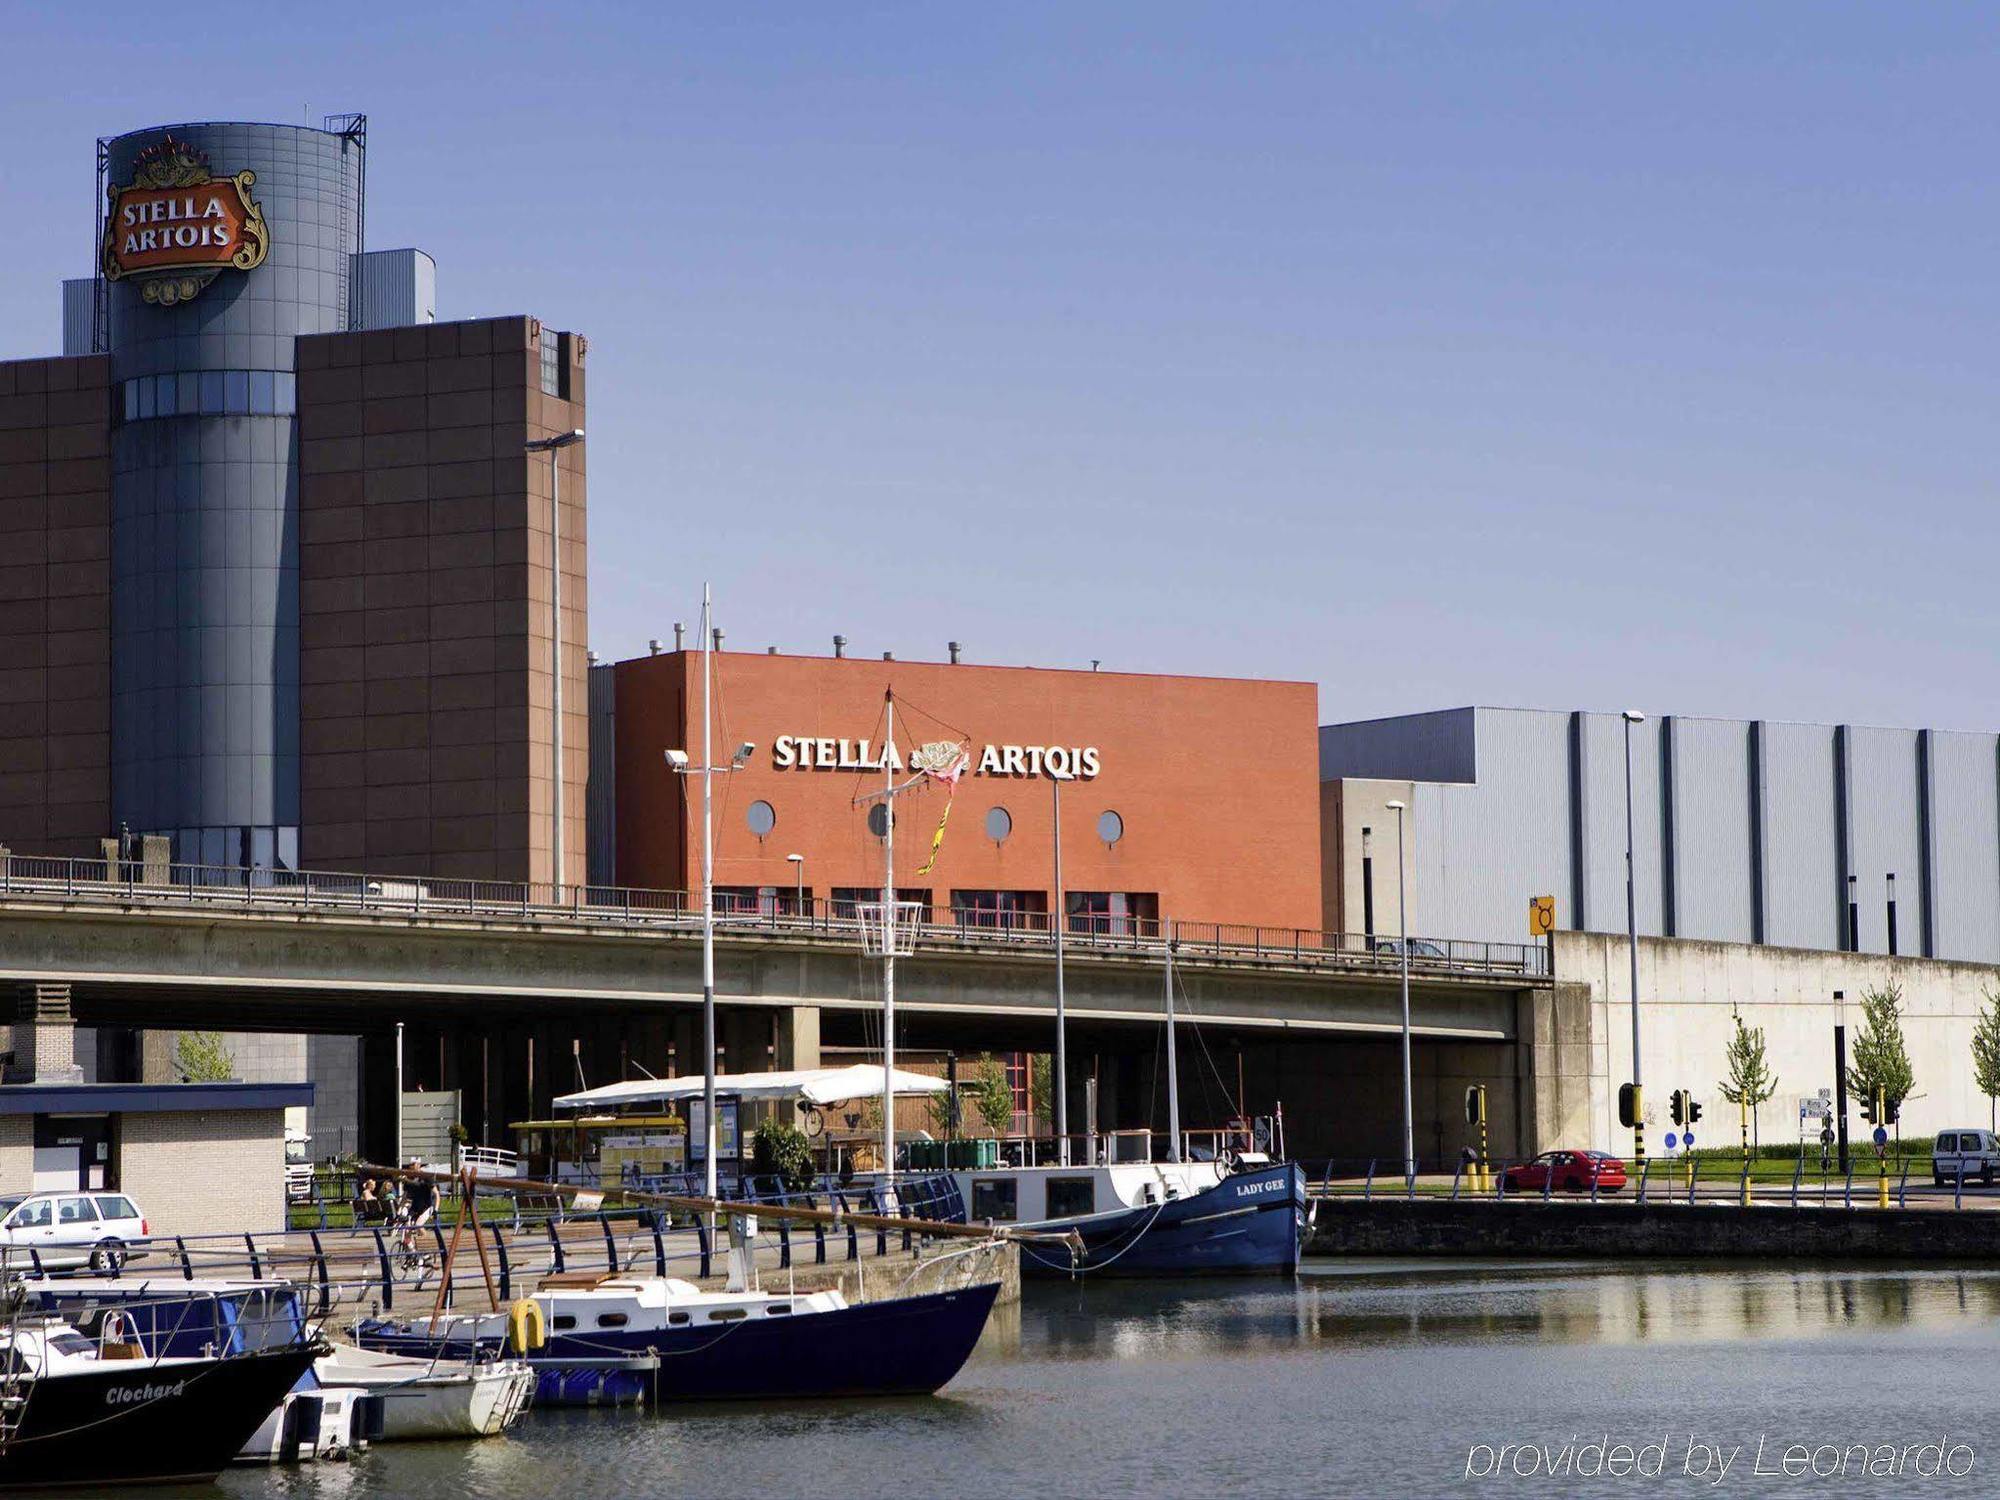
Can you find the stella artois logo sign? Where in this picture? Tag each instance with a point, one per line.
(175, 227)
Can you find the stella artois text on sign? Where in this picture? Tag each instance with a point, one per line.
(176, 227)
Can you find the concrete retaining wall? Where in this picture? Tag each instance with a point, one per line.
(1650, 1231)
(1689, 992)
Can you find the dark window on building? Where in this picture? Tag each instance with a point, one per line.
(995, 1198)
(1020, 1081)
(1007, 910)
(1070, 1196)
(210, 393)
(1112, 913)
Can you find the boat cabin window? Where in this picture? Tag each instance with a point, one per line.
(777, 1308)
(1069, 1196)
(611, 1320)
(727, 1315)
(995, 1198)
(562, 1322)
(677, 1319)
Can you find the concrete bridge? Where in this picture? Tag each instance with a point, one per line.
(512, 1000)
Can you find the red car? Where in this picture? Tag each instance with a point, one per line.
(1565, 1172)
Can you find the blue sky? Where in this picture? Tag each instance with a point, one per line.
(1554, 355)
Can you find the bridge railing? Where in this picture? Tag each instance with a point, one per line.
(132, 882)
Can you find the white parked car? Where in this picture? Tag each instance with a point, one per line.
(1975, 1153)
(69, 1228)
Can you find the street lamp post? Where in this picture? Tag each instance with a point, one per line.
(1403, 947)
(677, 761)
(798, 864)
(1633, 716)
(553, 446)
(1059, 919)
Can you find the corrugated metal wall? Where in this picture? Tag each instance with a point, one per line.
(1743, 831)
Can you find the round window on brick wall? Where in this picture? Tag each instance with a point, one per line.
(762, 817)
(1110, 827)
(999, 823)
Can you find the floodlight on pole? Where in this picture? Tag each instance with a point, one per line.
(1059, 919)
(1403, 952)
(679, 763)
(1633, 716)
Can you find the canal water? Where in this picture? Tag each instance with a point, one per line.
(1363, 1378)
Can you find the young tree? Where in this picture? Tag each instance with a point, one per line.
(991, 1094)
(1880, 1059)
(1751, 1081)
(1986, 1055)
(203, 1057)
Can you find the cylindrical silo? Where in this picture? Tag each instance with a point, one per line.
(204, 529)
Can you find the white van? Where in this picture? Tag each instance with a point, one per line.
(1973, 1152)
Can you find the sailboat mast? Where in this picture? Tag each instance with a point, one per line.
(889, 943)
(1173, 1068)
(709, 1131)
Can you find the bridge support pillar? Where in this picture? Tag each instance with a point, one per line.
(44, 1037)
(798, 1038)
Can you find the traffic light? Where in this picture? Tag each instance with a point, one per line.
(1677, 1106)
(1868, 1108)
(1627, 1106)
(1694, 1111)
(1475, 1104)
(1892, 1111)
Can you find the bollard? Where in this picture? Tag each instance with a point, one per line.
(1746, 1185)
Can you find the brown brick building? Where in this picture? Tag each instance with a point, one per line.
(55, 605)
(425, 658)
(425, 662)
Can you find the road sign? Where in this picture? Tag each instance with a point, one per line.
(1672, 1140)
(1541, 916)
(1688, 1140)
(1826, 1135)
(1881, 1136)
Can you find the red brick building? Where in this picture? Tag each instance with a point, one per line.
(1194, 797)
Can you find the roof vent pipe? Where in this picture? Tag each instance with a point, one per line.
(717, 635)
(770, 650)
(652, 648)
(839, 647)
(888, 656)
(952, 647)
(679, 631)
(591, 657)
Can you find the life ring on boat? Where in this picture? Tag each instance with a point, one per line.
(117, 1329)
(525, 1328)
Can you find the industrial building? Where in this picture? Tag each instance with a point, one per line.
(1746, 831)
(1779, 867)
(279, 587)
(1184, 797)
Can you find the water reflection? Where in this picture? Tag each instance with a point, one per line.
(1361, 1378)
(1362, 1303)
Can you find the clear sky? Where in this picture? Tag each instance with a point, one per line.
(1551, 355)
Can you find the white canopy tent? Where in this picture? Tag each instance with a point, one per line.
(811, 1085)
